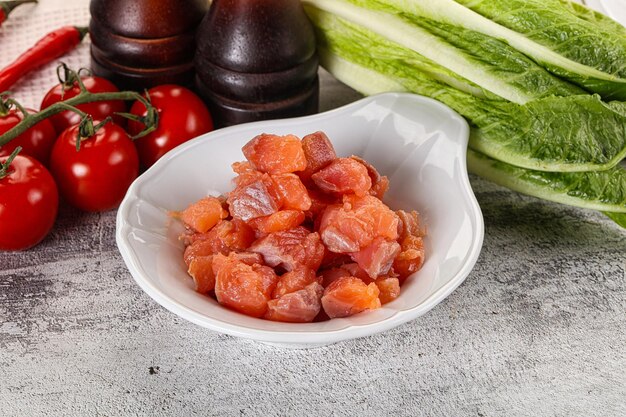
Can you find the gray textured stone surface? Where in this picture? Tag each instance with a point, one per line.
(538, 328)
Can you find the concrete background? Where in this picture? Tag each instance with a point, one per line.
(538, 328)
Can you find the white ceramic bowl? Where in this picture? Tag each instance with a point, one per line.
(417, 142)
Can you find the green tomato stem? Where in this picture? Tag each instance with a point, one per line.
(85, 96)
(5, 167)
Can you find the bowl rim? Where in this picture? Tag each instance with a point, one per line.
(303, 337)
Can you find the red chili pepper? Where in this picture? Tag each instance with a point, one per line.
(7, 6)
(48, 48)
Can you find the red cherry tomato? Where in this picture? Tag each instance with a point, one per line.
(182, 116)
(96, 177)
(99, 110)
(29, 201)
(36, 141)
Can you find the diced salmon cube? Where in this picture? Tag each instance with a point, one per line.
(343, 175)
(201, 270)
(380, 184)
(377, 258)
(343, 231)
(389, 289)
(243, 287)
(252, 200)
(246, 173)
(318, 151)
(411, 257)
(379, 189)
(279, 221)
(225, 237)
(410, 224)
(292, 192)
(275, 154)
(295, 280)
(248, 258)
(290, 248)
(203, 214)
(198, 247)
(354, 225)
(348, 296)
(301, 306)
(383, 220)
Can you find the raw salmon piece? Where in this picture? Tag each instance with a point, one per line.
(379, 189)
(269, 279)
(226, 236)
(389, 289)
(242, 287)
(238, 236)
(292, 192)
(243, 167)
(410, 224)
(221, 260)
(247, 258)
(343, 231)
(275, 154)
(246, 173)
(343, 175)
(201, 270)
(333, 274)
(371, 171)
(252, 200)
(411, 257)
(203, 214)
(347, 296)
(279, 221)
(380, 183)
(295, 280)
(377, 258)
(301, 306)
(290, 248)
(318, 151)
(353, 225)
(198, 247)
(383, 220)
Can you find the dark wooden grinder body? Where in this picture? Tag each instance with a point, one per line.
(256, 60)
(138, 44)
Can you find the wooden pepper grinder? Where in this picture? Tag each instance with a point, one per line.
(138, 44)
(256, 60)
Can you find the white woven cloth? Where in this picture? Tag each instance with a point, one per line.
(29, 23)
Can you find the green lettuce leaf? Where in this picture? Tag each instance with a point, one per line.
(549, 23)
(596, 18)
(606, 79)
(453, 52)
(619, 218)
(576, 133)
(598, 190)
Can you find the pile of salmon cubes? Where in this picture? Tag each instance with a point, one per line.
(304, 236)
